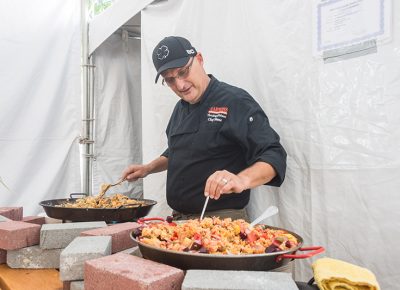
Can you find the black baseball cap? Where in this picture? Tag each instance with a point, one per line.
(172, 52)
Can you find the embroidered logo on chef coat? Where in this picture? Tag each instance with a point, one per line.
(217, 114)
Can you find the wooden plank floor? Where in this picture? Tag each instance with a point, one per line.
(29, 279)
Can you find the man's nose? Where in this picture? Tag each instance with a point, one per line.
(180, 84)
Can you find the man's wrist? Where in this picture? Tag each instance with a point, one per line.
(245, 181)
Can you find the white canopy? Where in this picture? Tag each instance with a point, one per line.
(337, 121)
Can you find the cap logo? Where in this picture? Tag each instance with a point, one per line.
(162, 52)
(190, 51)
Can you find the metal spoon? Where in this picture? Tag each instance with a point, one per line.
(270, 211)
(106, 186)
(204, 208)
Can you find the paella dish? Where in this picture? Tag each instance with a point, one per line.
(215, 236)
(114, 201)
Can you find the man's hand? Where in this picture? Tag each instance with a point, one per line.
(223, 182)
(135, 171)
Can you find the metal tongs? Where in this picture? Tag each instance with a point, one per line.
(107, 186)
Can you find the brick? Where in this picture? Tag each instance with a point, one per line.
(237, 280)
(81, 249)
(4, 219)
(39, 220)
(123, 271)
(57, 236)
(34, 258)
(66, 285)
(29, 279)
(120, 234)
(77, 285)
(13, 213)
(16, 235)
(3, 256)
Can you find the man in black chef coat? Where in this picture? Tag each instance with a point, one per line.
(220, 143)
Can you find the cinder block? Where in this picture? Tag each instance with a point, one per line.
(16, 235)
(81, 249)
(34, 258)
(4, 219)
(3, 256)
(123, 271)
(57, 236)
(77, 285)
(120, 234)
(237, 280)
(39, 220)
(13, 213)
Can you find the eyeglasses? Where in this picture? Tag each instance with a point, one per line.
(182, 74)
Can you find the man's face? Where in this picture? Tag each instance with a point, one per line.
(188, 82)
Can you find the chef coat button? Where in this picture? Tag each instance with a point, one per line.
(251, 119)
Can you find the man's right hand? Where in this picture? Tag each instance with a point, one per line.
(135, 171)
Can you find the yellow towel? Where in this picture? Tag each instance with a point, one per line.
(332, 274)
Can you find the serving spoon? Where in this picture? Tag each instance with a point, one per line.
(106, 186)
(270, 211)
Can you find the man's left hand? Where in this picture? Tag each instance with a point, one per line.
(223, 182)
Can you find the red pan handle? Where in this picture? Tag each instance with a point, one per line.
(315, 251)
(143, 220)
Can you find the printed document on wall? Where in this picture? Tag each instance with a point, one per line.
(342, 23)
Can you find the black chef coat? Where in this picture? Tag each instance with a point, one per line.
(226, 129)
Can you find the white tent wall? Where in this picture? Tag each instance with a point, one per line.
(338, 122)
(40, 104)
(118, 107)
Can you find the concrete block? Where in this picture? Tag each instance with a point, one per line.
(13, 213)
(39, 220)
(34, 258)
(3, 256)
(77, 285)
(135, 251)
(120, 234)
(237, 280)
(57, 236)
(123, 271)
(49, 220)
(81, 249)
(4, 219)
(16, 235)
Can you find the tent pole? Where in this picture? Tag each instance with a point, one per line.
(87, 100)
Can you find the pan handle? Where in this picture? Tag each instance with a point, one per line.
(71, 195)
(315, 251)
(143, 220)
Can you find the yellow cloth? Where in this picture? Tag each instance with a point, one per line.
(332, 274)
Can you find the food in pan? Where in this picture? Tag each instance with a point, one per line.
(215, 236)
(113, 201)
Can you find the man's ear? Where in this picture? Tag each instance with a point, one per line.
(199, 57)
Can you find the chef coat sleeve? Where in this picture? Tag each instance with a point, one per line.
(258, 140)
(165, 153)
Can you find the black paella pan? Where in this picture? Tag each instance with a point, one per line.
(109, 215)
(251, 262)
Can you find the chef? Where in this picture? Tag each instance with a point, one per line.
(220, 142)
